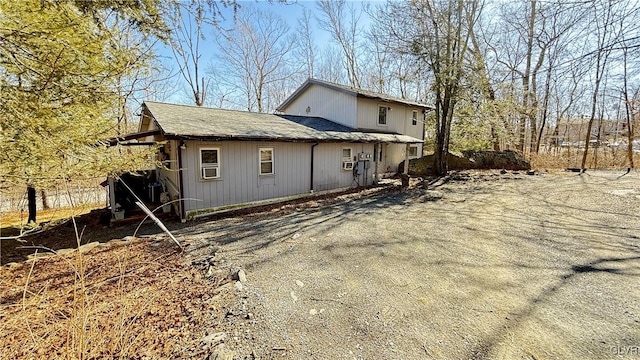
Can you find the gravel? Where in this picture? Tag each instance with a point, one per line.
(480, 265)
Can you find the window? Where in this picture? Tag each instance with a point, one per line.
(347, 159)
(210, 163)
(413, 151)
(266, 161)
(382, 115)
(414, 117)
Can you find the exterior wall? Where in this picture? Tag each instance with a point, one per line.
(327, 167)
(239, 180)
(398, 118)
(146, 124)
(323, 102)
(393, 155)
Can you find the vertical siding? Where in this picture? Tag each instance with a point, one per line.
(398, 119)
(327, 103)
(328, 173)
(240, 181)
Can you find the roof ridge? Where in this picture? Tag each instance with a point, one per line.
(204, 107)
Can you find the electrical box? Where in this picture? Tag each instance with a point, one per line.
(364, 156)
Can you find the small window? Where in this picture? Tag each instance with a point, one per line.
(414, 117)
(346, 154)
(210, 163)
(413, 151)
(382, 115)
(266, 161)
(347, 159)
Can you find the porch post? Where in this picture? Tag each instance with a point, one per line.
(406, 160)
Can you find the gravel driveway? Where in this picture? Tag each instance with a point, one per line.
(480, 265)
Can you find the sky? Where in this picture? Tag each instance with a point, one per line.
(290, 12)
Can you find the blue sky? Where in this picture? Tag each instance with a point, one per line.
(290, 12)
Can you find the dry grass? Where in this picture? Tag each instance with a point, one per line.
(572, 158)
(19, 219)
(116, 301)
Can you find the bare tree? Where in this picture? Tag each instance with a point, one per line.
(255, 52)
(342, 23)
(306, 49)
(188, 22)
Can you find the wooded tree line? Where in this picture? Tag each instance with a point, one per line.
(501, 75)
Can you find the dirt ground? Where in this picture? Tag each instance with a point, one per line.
(478, 266)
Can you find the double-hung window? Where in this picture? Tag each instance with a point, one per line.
(210, 163)
(414, 117)
(266, 161)
(382, 115)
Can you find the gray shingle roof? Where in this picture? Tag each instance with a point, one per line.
(218, 124)
(353, 91)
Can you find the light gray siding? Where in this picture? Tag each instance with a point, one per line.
(330, 104)
(393, 155)
(398, 118)
(328, 172)
(239, 180)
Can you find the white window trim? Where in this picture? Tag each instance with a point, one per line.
(414, 120)
(209, 165)
(413, 147)
(273, 161)
(347, 162)
(386, 116)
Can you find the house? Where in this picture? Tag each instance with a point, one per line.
(217, 159)
(364, 111)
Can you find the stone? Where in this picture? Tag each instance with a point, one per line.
(299, 283)
(210, 272)
(221, 353)
(242, 276)
(238, 286)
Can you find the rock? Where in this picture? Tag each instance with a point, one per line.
(299, 283)
(295, 236)
(237, 274)
(221, 353)
(210, 272)
(214, 339)
(503, 171)
(238, 286)
(313, 312)
(531, 172)
(242, 276)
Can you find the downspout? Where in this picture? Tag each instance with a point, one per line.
(312, 148)
(183, 216)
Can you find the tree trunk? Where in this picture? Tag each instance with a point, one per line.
(43, 196)
(31, 198)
